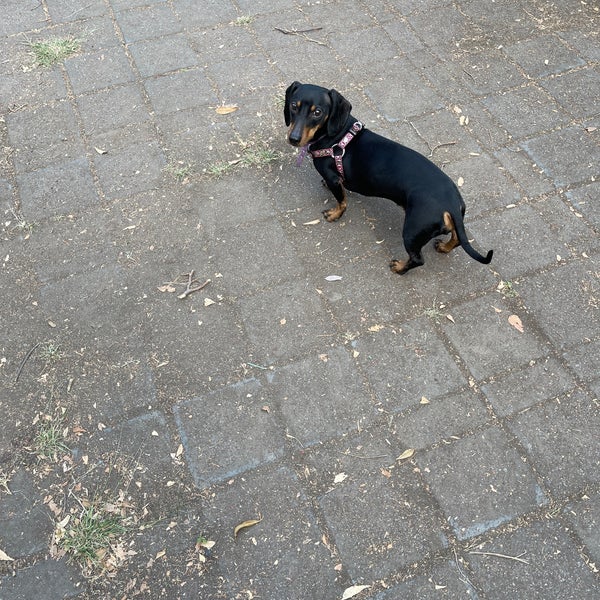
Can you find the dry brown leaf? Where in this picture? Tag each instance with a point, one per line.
(376, 328)
(407, 454)
(227, 109)
(385, 472)
(315, 222)
(339, 477)
(450, 318)
(424, 400)
(245, 525)
(160, 554)
(354, 590)
(460, 182)
(515, 321)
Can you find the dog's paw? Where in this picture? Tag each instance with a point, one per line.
(398, 266)
(332, 214)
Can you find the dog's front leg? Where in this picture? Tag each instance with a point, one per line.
(338, 190)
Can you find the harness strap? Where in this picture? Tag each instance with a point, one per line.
(338, 150)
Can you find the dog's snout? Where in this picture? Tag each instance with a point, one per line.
(295, 136)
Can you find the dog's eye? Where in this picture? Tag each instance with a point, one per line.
(317, 112)
(294, 106)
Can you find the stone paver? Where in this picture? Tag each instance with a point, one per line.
(400, 433)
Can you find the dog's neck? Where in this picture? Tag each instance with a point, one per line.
(325, 140)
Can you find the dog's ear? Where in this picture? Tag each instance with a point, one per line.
(340, 111)
(288, 94)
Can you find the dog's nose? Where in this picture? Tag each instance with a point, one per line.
(294, 138)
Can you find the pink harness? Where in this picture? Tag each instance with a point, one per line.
(338, 150)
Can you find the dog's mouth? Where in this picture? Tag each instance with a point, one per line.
(301, 136)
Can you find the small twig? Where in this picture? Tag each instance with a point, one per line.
(517, 558)
(27, 357)
(374, 457)
(189, 288)
(303, 34)
(440, 146)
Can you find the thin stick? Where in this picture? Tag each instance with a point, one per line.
(440, 146)
(303, 34)
(27, 357)
(189, 289)
(517, 558)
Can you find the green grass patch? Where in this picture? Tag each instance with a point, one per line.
(89, 537)
(49, 440)
(54, 50)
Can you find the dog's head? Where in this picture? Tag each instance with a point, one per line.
(312, 111)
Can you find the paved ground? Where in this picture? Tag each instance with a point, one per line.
(427, 436)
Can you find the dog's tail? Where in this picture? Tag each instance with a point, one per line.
(464, 240)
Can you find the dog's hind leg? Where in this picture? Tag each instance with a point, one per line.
(449, 227)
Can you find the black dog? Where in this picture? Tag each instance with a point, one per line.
(349, 156)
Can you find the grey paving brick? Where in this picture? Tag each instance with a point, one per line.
(517, 390)
(65, 11)
(583, 202)
(525, 111)
(57, 190)
(403, 36)
(288, 320)
(543, 55)
(407, 527)
(529, 176)
(179, 91)
(80, 244)
(382, 47)
(480, 482)
(486, 341)
(214, 12)
(135, 169)
(249, 74)
(255, 256)
(13, 19)
(228, 432)
(98, 70)
(399, 92)
(553, 567)
(221, 345)
(25, 526)
(284, 554)
(575, 92)
(562, 442)
(44, 136)
(487, 72)
(168, 53)
(568, 156)
(252, 7)
(585, 515)
(586, 42)
(441, 419)
(443, 581)
(219, 44)
(48, 578)
(321, 396)
(582, 359)
(147, 22)
(414, 348)
(20, 90)
(441, 128)
(125, 4)
(529, 249)
(486, 185)
(112, 109)
(444, 29)
(568, 316)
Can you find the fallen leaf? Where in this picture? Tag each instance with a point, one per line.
(333, 278)
(460, 182)
(266, 409)
(376, 328)
(424, 400)
(179, 450)
(515, 321)
(166, 288)
(100, 150)
(354, 590)
(160, 554)
(227, 109)
(385, 472)
(406, 454)
(245, 525)
(4, 556)
(340, 477)
(208, 302)
(450, 318)
(315, 222)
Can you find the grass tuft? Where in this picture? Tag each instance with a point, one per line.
(54, 50)
(49, 439)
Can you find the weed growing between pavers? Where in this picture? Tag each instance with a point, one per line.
(180, 171)
(21, 225)
(54, 50)
(92, 529)
(255, 155)
(49, 440)
(507, 289)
